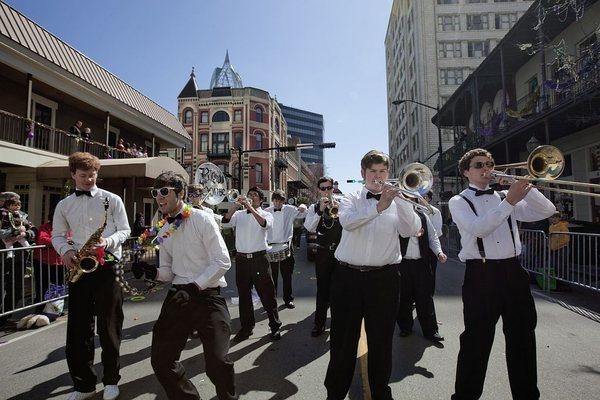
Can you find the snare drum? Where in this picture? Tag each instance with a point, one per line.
(278, 252)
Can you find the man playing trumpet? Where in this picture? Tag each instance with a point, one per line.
(495, 282)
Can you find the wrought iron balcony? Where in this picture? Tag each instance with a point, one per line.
(19, 130)
(219, 152)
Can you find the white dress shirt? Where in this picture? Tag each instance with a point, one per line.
(250, 237)
(83, 215)
(436, 220)
(311, 222)
(283, 223)
(491, 225)
(194, 253)
(413, 252)
(370, 238)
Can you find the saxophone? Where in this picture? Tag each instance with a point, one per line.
(85, 259)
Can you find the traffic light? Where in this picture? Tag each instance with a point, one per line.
(326, 145)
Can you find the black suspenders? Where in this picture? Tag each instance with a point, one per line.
(480, 240)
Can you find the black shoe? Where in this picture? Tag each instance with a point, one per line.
(317, 331)
(404, 333)
(195, 334)
(275, 335)
(242, 335)
(436, 337)
(290, 304)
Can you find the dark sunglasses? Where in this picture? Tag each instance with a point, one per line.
(324, 188)
(163, 191)
(481, 164)
(193, 195)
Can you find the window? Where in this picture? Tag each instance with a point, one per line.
(276, 125)
(532, 84)
(448, 23)
(220, 144)
(237, 115)
(476, 1)
(259, 113)
(586, 45)
(235, 171)
(449, 50)
(258, 170)
(220, 116)
(238, 138)
(259, 140)
(477, 22)
(451, 76)
(478, 49)
(447, 1)
(204, 142)
(187, 116)
(505, 21)
(224, 168)
(204, 117)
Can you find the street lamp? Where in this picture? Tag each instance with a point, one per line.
(439, 129)
(299, 146)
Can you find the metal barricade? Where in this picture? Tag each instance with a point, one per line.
(25, 279)
(573, 258)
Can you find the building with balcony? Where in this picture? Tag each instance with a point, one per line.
(308, 127)
(46, 86)
(222, 119)
(431, 47)
(544, 91)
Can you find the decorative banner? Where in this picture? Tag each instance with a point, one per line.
(528, 108)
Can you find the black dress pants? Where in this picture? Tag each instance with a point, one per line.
(494, 289)
(415, 287)
(355, 295)
(208, 314)
(255, 272)
(96, 294)
(325, 264)
(287, 270)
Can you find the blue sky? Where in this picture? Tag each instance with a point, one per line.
(325, 56)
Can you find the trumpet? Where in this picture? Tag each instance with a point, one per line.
(333, 208)
(544, 165)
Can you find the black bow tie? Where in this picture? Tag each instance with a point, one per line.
(248, 212)
(374, 196)
(171, 219)
(82, 192)
(276, 209)
(479, 192)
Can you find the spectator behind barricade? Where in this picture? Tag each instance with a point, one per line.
(138, 225)
(48, 267)
(120, 145)
(15, 221)
(557, 224)
(86, 136)
(76, 129)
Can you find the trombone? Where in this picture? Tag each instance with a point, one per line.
(544, 164)
(414, 182)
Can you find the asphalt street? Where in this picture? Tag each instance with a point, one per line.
(33, 365)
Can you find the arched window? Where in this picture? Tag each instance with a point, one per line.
(259, 113)
(259, 140)
(220, 116)
(238, 138)
(277, 125)
(258, 170)
(235, 171)
(188, 116)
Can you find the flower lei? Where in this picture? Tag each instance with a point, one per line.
(149, 236)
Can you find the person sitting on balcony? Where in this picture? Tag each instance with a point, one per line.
(76, 129)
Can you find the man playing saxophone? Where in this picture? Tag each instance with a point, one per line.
(95, 293)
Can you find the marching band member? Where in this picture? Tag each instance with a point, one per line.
(282, 232)
(329, 233)
(366, 282)
(251, 264)
(437, 222)
(495, 282)
(96, 293)
(416, 280)
(195, 197)
(194, 300)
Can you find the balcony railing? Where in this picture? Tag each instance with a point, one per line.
(217, 152)
(19, 130)
(563, 88)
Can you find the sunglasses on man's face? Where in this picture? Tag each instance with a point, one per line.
(163, 191)
(324, 188)
(481, 164)
(194, 195)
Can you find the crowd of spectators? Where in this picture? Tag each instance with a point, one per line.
(121, 150)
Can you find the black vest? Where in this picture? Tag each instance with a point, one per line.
(426, 252)
(329, 230)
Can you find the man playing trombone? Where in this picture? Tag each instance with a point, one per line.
(495, 282)
(366, 283)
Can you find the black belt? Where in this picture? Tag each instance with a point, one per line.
(361, 268)
(252, 255)
(330, 247)
(477, 261)
(210, 290)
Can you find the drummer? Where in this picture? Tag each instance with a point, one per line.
(279, 237)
